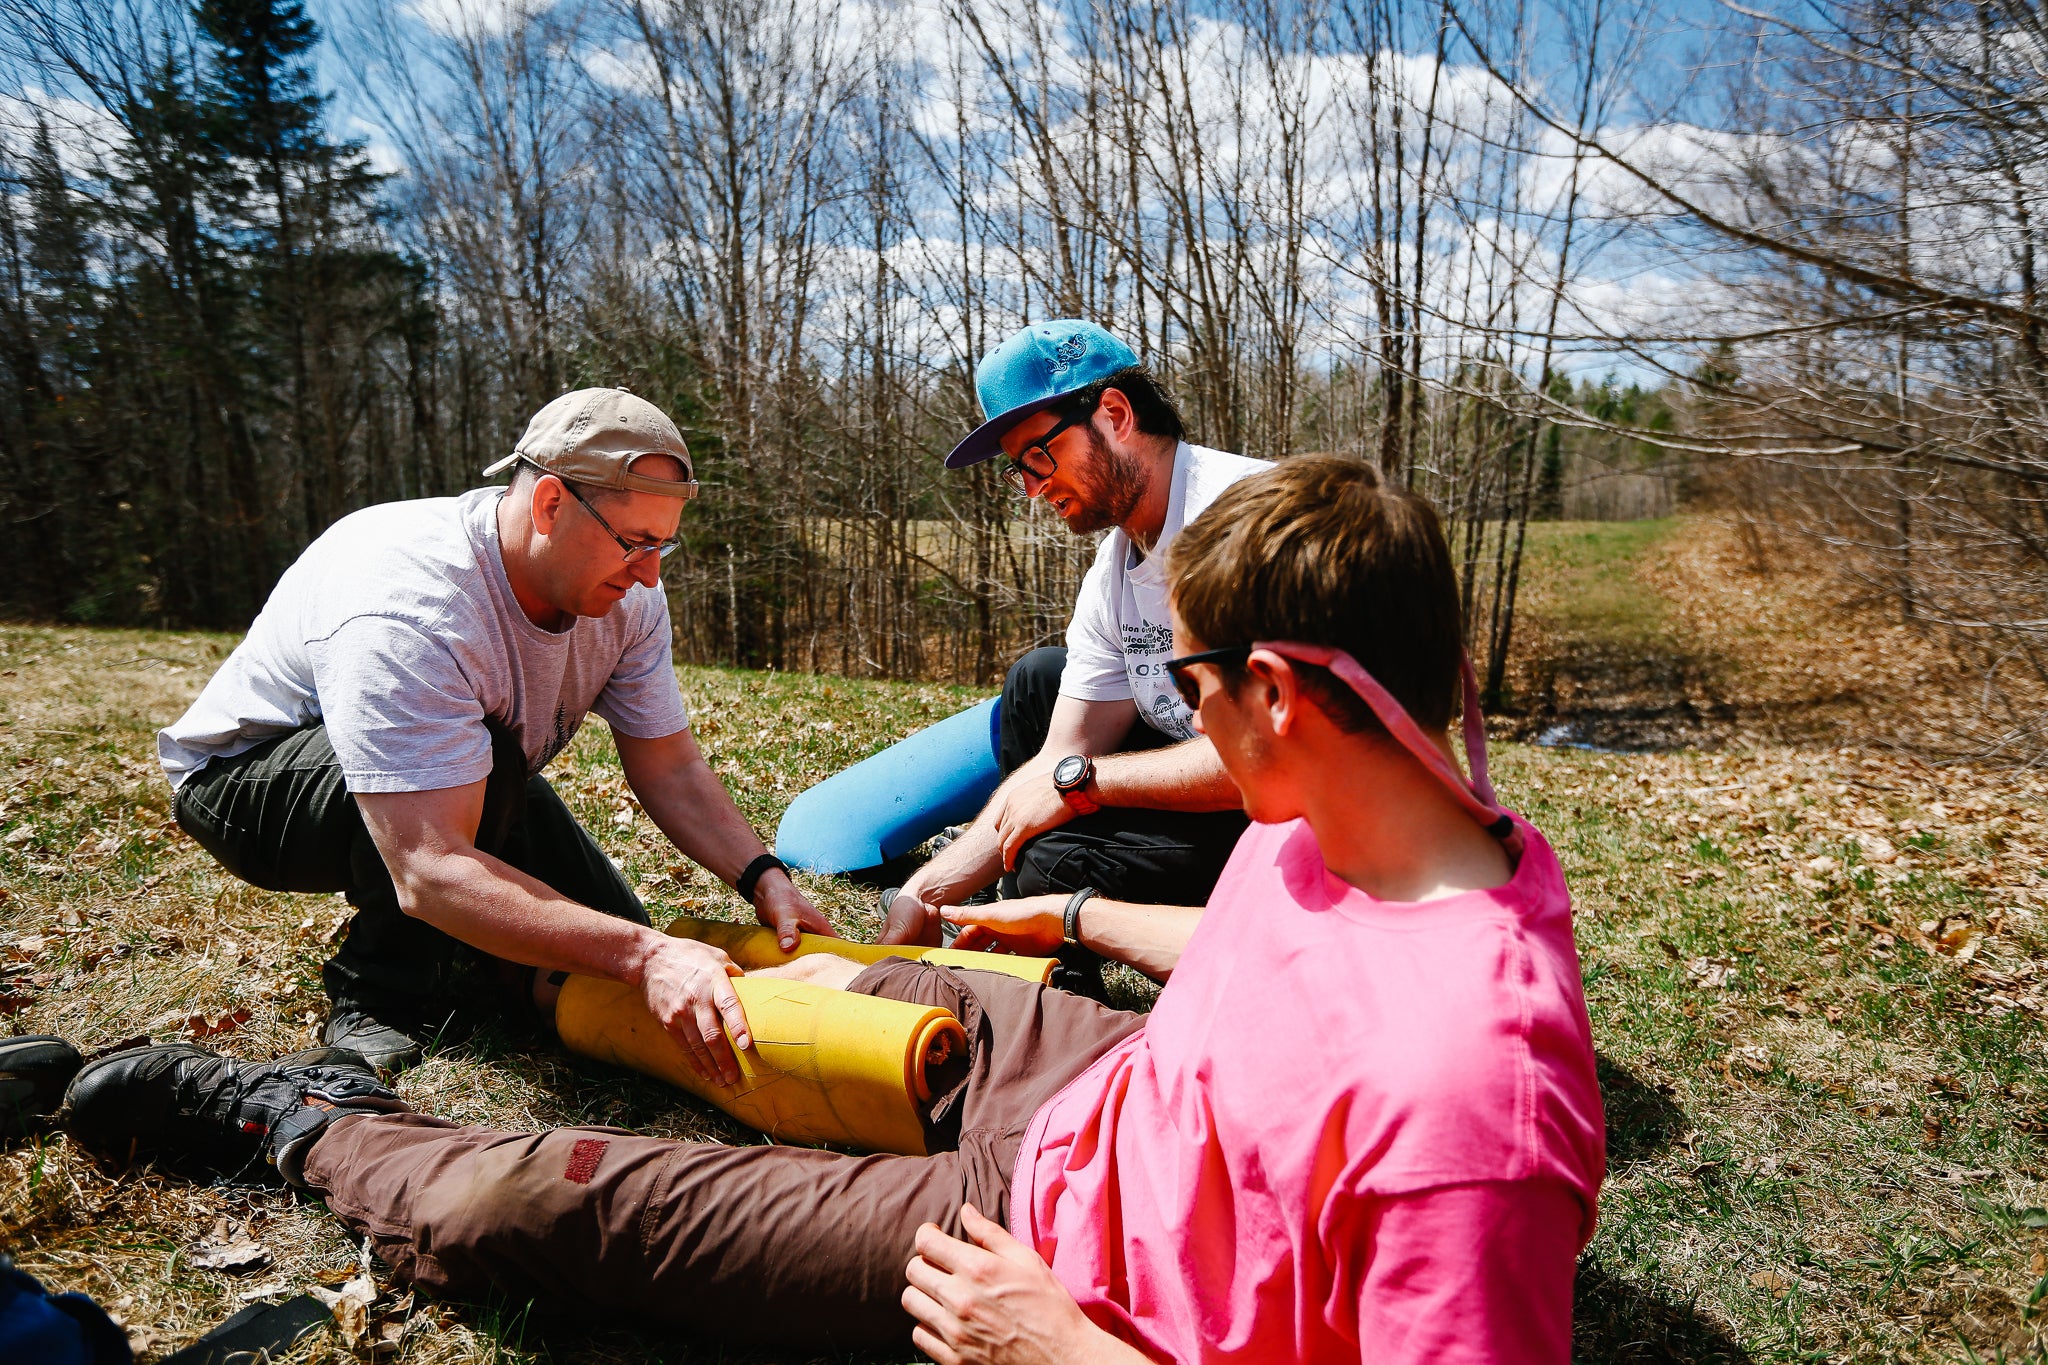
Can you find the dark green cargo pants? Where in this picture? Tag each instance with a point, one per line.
(280, 817)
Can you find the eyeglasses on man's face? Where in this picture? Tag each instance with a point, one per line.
(1189, 687)
(634, 551)
(1035, 460)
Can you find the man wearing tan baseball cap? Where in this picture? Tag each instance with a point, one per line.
(381, 731)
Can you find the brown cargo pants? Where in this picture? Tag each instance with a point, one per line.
(787, 1245)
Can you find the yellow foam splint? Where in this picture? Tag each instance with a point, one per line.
(753, 946)
(826, 1065)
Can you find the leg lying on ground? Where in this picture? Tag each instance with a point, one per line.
(776, 1244)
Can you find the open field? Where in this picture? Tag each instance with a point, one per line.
(1818, 979)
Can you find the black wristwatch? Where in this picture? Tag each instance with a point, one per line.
(1070, 777)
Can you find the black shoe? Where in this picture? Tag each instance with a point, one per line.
(34, 1072)
(388, 1047)
(197, 1109)
(1079, 971)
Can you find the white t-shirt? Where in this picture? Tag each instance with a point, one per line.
(1121, 633)
(399, 629)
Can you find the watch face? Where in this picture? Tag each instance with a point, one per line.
(1070, 771)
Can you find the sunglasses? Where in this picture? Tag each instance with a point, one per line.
(1189, 688)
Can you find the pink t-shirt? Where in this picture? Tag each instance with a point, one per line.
(1352, 1129)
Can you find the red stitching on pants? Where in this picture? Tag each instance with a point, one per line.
(583, 1159)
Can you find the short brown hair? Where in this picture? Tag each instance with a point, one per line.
(1317, 549)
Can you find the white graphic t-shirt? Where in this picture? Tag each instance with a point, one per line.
(398, 628)
(1121, 633)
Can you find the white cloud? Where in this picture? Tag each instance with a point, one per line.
(385, 158)
(84, 135)
(474, 18)
(627, 67)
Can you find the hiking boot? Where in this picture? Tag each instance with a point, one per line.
(386, 1046)
(198, 1109)
(34, 1071)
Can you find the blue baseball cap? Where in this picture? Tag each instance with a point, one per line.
(1033, 370)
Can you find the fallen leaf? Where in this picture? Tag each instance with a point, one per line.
(197, 1026)
(350, 1306)
(1709, 974)
(233, 1257)
(1753, 1058)
(1961, 942)
(1770, 1282)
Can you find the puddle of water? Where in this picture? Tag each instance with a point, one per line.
(1650, 731)
(1566, 737)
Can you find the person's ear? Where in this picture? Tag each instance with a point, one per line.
(546, 507)
(1274, 689)
(1116, 411)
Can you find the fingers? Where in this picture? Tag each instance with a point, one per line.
(990, 1234)
(688, 1032)
(947, 1252)
(973, 938)
(787, 920)
(911, 920)
(710, 1009)
(812, 921)
(932, 1346)
(937, 1327)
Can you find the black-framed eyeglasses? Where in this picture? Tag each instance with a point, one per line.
(1190, 690)
(633, 553)
(1015, 468)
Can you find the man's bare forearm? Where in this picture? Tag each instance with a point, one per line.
(689, 804)
(497, 909)
(1148, 937)
(1183, 777)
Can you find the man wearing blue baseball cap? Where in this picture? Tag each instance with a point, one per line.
(1110, 800)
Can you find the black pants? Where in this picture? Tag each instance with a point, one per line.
(280, 817)
(1163, 857)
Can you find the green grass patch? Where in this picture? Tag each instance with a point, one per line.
(1816, 982)
(1584, 584)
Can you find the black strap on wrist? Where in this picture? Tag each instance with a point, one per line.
(756, 870)
(1070, 922)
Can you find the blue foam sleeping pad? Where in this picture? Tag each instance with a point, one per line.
(888, 804)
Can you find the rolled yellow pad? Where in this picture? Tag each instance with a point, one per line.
(826, 1065)
(753, 946)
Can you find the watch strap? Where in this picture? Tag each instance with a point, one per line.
(1070, 921)
(751, 877)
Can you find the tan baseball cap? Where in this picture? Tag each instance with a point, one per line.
(593, 436)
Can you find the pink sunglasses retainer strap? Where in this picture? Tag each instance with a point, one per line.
(1476, 796)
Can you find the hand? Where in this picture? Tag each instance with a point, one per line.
(1029, 807)
(912, 920)
(1032, 925)
(688, 986)
(786, 910)
(992, 1301)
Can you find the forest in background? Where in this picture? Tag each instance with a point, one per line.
(1568, 258)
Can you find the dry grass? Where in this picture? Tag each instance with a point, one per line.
(1816, 975)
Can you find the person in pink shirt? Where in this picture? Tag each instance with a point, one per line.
(1361, 1122)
